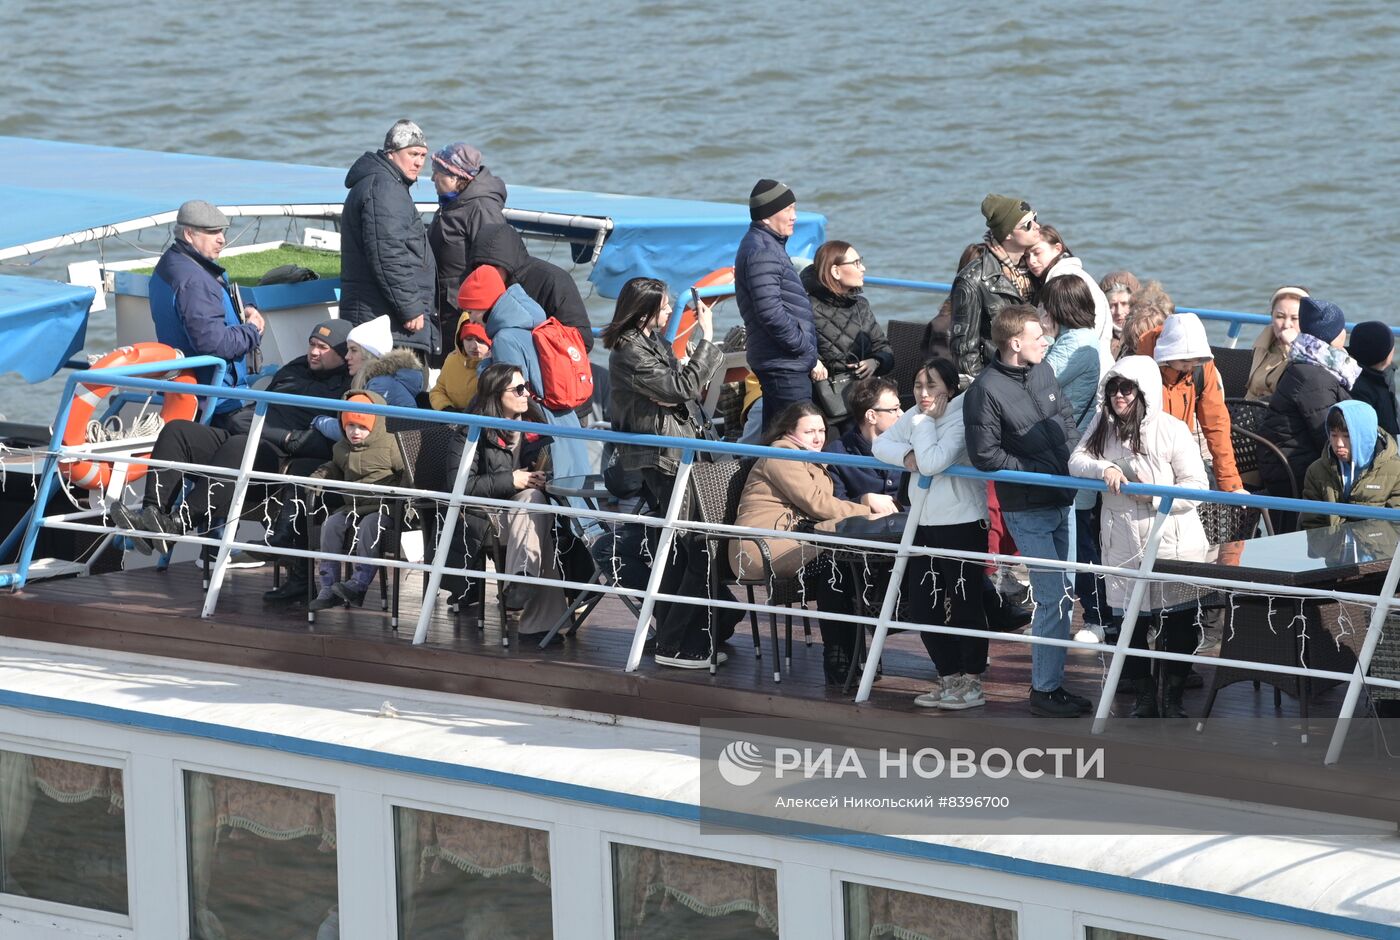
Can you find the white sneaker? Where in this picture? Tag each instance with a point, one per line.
(690, 661)
(1089, 633)
(962, 692)
(931, 698)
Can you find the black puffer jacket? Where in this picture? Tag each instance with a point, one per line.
(980, 291)
(653, 394)
(547, 284)
(453, 229)
(846, 328)
(491, 477)
(386, 266)
(1297, 423)
(1017, 419)
(775, 308)
(296, 378)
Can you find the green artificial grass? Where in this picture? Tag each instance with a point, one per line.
(248, 269)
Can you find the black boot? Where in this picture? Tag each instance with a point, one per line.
(1146, 704)
(836, 662)
(293, 589)
(1171, 697)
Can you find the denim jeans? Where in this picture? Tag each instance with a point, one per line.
(1091, 588)
(780, 389)
(1044, 533)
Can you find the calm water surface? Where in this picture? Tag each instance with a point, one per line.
(1224, 149)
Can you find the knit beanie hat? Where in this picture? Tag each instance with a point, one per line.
(358, 417)
(1320, 318)
(768, 198)
(404, 134)
(1002, 213)
(373, 336)
(1370, 343)
(458, 159)
(482, 288)
(334, 333)
(470, 329)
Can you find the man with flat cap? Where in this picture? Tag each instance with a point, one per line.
(993, 280)
(782, 334)
(192, 304)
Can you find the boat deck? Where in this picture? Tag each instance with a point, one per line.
(1247, 750)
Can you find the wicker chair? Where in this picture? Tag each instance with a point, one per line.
(907, 340)
(1233, 366)
(716, 488)
(1246, 416)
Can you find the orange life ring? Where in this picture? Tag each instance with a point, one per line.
(96, 474)
(716, 278)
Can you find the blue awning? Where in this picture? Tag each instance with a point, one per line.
(42, 324)
(52, 189)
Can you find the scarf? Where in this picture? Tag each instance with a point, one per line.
(1016, 273)
(1310, 349)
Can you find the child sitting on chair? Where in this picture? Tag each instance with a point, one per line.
(1362, 465)
(367, 454)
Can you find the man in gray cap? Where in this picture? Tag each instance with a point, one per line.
(386, 265)
(782, 334)
(192, 304)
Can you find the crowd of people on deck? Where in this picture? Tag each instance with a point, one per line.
(1031, 366)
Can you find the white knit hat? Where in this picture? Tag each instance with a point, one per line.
(373, 337)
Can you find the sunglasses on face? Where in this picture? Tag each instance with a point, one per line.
(1121, 387)
(1029, 224)
(520, 389)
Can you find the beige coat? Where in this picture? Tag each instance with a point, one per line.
(1270, 357)
(1170, 457)
(777, 495)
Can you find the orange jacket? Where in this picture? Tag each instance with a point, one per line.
(1179, 399)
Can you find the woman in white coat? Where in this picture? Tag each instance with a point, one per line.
(1133, 441)
(929, 438)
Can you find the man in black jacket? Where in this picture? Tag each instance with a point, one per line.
(287, 435)
(386, 266)
(1018, 419)
(995, 279)
(546, 284)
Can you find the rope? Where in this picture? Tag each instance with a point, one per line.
(144, 425)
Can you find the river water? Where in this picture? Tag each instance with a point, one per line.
(1221, 148)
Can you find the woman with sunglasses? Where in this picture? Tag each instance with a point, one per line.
(849, 339)
(1132, 440)
(652, 393)
(510, 465)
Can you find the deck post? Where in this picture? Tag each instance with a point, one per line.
(887, 606)
(658, 566)
(449, 529)
(235, 509)
(1130, 616)
(1363, 661)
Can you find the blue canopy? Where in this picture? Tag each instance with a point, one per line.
(42, 324)
(51, 189)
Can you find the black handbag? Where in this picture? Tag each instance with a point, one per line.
(832, 395)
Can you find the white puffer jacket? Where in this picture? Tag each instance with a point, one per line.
(937, 444)
(1170, 457)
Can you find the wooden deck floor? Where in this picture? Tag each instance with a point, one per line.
(1247, 751)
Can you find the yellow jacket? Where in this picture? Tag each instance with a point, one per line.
(456, 384)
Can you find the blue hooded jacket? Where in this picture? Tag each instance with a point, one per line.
(1361, 427)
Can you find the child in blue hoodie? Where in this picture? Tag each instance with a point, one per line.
(1361, 464)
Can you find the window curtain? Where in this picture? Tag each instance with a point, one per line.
(879, 913)
(16, 801)
(204, 839)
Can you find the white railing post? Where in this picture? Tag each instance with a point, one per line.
(1363, 661)
(1130, 616)
(449, 529)
(887, 606)
(235, 509)
(658, 564)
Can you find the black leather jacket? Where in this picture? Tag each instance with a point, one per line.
(980, 291)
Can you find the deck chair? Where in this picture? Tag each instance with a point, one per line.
(1233, 366)
(716, 488)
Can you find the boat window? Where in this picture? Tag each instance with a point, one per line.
(463, 877)
(1105, 933)
(873, 913)
(62, 832)
(262, 859)
(661, 895)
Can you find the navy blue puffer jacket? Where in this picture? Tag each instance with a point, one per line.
(777, 313)
(386, 266)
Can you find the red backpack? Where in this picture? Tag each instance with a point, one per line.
(565, 372)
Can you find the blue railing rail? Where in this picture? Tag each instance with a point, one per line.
(671, 523)
(1236, 319)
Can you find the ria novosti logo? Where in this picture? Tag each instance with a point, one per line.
(740, 763)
